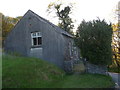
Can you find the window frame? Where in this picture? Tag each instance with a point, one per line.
(36, 35)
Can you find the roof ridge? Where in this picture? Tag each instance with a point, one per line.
(55, 26)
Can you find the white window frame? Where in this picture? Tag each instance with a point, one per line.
(35, 35)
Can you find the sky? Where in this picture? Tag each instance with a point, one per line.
(82, 9)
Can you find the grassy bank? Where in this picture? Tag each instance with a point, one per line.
(22, 72)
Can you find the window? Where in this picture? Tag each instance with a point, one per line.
(36, 38)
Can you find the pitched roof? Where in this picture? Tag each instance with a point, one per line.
(58, 29)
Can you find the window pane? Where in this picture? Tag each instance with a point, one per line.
(34, 41)
(39, 40)
(38, 34)
(34, 34)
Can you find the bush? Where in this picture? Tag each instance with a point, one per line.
(94, 39)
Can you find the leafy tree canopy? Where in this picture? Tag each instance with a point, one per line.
(7, 24)
(94, 39)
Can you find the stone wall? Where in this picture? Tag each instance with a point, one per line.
(89, 68)
(99, 69)
(68, 66)
(71, 59)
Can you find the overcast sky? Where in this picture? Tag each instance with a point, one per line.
(83, 9)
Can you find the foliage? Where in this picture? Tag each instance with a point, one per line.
(7, 24)
(0, 29)
(116, 45)
(65, 22)
(94, 39)
(0, 22)
(114, 68)
(23, 72)
(116, 38)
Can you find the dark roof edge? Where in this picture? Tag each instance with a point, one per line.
(17, 24)
(63, 31)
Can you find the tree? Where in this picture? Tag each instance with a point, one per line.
(116, 45)
(65, 22)
(7, 24)
(0, 30)
(94, 40)
(116, 38)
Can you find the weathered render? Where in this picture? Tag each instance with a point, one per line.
(56, 47)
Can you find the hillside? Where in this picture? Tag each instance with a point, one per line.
(23, 72)
(29, 72)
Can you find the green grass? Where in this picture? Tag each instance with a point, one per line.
(28, 72)
(88, 81)
(23, 72)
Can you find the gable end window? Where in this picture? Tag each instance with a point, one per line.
(36, 38)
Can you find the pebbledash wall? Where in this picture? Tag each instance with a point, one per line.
(54, 39)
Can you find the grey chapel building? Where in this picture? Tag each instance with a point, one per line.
(35, 36)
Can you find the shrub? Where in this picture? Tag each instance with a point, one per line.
(94, 39)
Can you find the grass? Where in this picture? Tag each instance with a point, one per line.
(87, 81)
(23, 72)
(28, 72)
